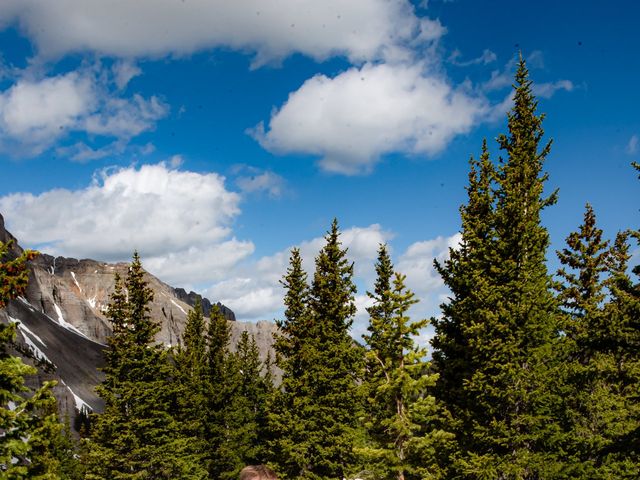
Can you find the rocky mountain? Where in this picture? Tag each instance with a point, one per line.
(61, 320)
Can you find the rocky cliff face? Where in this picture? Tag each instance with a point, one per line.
(62, 319)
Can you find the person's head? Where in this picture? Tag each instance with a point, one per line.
(257, 472)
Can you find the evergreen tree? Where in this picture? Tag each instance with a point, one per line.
(315, 425)
(334, 363)
(190, 364)
(28, 419)
(589, 394)
(245, 414)
(137, 436)
(620, 451)
(222, 381)
(290, 441)
(500, 328)
(400, 408)
(467, 273)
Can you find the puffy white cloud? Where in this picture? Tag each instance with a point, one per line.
(359, 29)
(417, 262)
(354, 118)
(37, 113)
(179, 221)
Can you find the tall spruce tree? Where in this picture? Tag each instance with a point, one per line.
(335, 362)
(190, 373)
(591, 401)
(321, 364)
(399, 406)
(621, 453)
(223, 380)
(467, 274)
(501, 324)
(246, 406)
(28, 418)
(137, 436)
(287, 406)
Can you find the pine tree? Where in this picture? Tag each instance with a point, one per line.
(191, 360)
(334, 363)
(290, 440)
(222, 381)
(467, 273)
(137, 435)
(245, 407)
(591, 399)
(190, 372)
(400, 408)
(619, 453)
(315, 425)
(500, 327)
(28, 419)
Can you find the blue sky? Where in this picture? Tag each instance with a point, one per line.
(213, 136)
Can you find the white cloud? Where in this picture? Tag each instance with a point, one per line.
(487, 57)
(417, 263)
(179, 221)
(353, 119)
(81, 152)
(632, 145)
(124, 71)
(546, 90)
(359, 29)
(37, 113)
(254, 180)
(125, 117)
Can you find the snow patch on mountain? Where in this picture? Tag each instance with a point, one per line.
(75, 280)
(81, 405)
(181, 309)
(63, 323)
(29, 338)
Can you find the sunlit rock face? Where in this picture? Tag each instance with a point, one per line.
(62, 320)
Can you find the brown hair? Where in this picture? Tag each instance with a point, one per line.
(257, 472)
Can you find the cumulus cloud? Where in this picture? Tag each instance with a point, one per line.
(179, 221)
(417, 262)
(359, 29)
(37, 113)
(351, 120)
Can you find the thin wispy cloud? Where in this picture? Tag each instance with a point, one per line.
(632, 145)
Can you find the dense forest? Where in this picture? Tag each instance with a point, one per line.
(531, 374)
